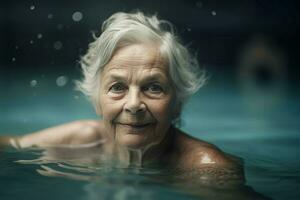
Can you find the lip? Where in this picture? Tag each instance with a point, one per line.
(136, 125)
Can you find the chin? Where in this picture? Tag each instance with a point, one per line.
(134, 142)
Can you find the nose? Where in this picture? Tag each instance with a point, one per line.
(134, 105)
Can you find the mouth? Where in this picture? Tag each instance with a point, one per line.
(135, 125)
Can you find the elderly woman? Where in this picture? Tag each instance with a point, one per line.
(138, 76)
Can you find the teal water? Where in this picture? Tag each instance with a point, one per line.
(262, 129)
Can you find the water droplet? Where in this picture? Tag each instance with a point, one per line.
(61, 81)
(199, 4)
(32, 7)
(50, 16)
(77, 16)
(33, 83)
(213, 13)
(13, 59)
(31, 42)
(39, 36)
(57, 45)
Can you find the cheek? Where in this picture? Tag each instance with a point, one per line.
(110, 108)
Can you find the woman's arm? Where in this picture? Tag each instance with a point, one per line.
(78, 132)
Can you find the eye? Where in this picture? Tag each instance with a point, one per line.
(117, 88)
(154, 88)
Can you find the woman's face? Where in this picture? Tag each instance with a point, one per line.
(136, 97)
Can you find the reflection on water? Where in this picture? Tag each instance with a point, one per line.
(94, 191)
(111, 180)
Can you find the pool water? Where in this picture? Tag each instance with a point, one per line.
(264, 132)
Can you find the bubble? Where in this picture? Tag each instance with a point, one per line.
(189, 29)
(213, 13)
(31, 42)
(50, 16)
(33, 83)
(77, 16)
(61, 81)
(32, 7)
(39, 36)
(57, 45)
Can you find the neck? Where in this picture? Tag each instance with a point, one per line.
(147, 155)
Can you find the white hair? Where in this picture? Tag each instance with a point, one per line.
(122, 29)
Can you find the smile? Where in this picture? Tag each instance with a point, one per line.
(135, 126)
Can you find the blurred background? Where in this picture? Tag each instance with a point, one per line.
(249, 49)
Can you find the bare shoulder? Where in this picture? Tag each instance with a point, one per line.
(204, 163)
(76, 132)
(198, 153)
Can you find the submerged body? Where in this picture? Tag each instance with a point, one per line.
(178, 151)
(86, 141)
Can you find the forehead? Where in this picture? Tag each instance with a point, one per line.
(146, 56)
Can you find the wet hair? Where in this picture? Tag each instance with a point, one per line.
(122, 29)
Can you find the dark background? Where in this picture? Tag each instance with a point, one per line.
(31, 30)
